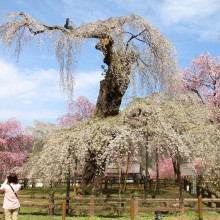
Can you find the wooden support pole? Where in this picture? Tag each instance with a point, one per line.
(92, 206)
(119, 205)
(136, 204)
(200, 207)
(132, 209)
(51, 204)
(181, 206)
(64, 210)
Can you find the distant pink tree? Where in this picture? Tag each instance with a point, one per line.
(14, 143)
(166, 169)
(203, 78)
(77, 112)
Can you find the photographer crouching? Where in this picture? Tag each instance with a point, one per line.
(11, 205)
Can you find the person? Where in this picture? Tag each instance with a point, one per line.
(11, 205)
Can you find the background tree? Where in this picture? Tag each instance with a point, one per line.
(166, 170)
(203, 78)
(14, 143)
(129, 45)
(176, 126)
(78, 111)
(39, 132)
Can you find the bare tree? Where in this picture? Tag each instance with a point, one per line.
(130, 46)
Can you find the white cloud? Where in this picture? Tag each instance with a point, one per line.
(25, 83)
(172, 11)
(197, 17)
(83, 80)
(35, 94)
(27, 101)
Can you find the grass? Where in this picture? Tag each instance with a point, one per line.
(33, 213)
(149, 216)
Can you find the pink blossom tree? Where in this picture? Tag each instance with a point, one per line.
(14, 143)
(77, 111)
(166, 169)
(203, 78)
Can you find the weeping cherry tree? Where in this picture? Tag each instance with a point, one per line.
(133, 51)
(131, 48)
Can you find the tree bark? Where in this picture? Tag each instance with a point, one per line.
(116, 80)
(112, 89)
(177, 170)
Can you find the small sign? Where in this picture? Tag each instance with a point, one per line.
(186, 171)
(194, 191)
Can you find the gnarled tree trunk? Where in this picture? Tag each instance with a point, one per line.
(112, 89)
(116, 81)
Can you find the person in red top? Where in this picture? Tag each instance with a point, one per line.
(11, 205)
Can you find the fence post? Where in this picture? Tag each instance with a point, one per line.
(132, 209)
(64, 210)
(120, 206)
(92, 203)
(136, 204)
(51, 204)
(181, 206)
(200, 207)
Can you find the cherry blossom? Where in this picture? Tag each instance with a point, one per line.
(203, 78)
(14, 143)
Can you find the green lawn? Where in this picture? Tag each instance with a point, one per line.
(187, 216)
(33, 213)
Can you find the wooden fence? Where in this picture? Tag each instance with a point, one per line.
(99, 206)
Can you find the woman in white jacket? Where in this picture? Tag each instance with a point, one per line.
(11, 204)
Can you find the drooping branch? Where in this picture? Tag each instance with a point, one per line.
(134, 37)
(128, 43)
(29, 23)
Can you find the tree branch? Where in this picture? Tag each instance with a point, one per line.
(134, 36)
(196, 91)
(28, 25)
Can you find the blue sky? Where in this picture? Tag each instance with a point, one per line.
(29, 89)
